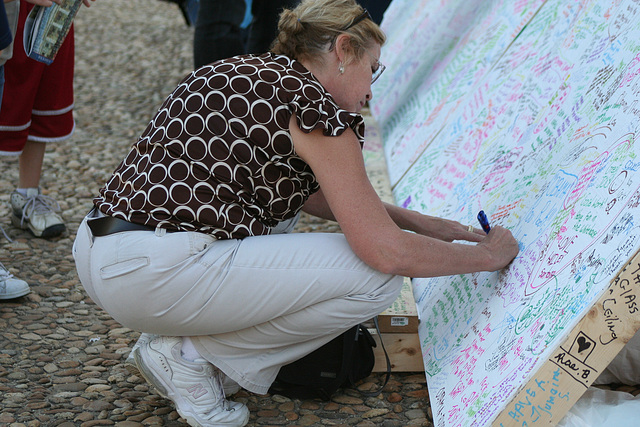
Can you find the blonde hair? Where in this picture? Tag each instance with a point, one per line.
(311, 29)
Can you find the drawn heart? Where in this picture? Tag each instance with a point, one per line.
(583, 344)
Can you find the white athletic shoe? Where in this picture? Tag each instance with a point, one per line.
(194, 387)
(130, 361)
(230, 386)
(10, 287)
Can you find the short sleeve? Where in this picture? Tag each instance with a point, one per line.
(326, 115)
(314, 108)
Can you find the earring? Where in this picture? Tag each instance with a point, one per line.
(341, 68)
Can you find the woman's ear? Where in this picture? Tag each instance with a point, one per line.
(343, 48)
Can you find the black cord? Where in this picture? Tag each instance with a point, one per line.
(386, 355)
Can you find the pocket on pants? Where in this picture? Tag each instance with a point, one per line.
(123, 267)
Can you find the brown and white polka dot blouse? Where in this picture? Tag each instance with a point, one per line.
(218, 156)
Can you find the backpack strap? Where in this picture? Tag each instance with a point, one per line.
(388, 375)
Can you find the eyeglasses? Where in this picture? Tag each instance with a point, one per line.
(378, 71)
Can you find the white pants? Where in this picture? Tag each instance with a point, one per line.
(250, 306)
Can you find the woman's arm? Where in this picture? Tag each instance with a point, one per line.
(439, 228)
(372, 228)
(317, 205)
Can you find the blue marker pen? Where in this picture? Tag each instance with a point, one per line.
(484, 222)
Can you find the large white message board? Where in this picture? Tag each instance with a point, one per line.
(531, 114)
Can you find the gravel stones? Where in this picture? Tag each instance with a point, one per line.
(62, 357)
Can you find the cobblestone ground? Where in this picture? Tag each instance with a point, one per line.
(61, 357)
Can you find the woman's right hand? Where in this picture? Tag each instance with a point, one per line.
(501, 246)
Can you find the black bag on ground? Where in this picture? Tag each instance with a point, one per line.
(341, 362)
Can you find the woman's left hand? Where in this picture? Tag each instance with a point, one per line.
(443, 229)
(449, 230)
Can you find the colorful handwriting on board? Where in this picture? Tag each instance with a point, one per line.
(532, 115)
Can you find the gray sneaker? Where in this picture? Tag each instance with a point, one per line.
(37, 213)
(10, 287)
(194, 387)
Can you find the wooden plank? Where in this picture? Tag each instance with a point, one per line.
(577, 362)
(403, 349)
(402, 316)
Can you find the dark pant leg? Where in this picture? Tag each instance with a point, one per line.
(217, 33)
(376, 8)
(264, 25)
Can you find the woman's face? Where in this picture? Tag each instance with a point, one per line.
(353, 87)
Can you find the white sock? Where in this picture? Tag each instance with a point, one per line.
(22, 191)
(189, 351)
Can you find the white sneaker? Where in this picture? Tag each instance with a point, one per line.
(194, 387)
(10, 287)
(130, 362)
(230, 386)
(37, 213)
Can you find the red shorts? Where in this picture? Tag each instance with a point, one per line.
(38, 99)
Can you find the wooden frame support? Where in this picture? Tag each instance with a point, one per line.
(402, 316)
(399, 328)
(403, 349)
(579, 360)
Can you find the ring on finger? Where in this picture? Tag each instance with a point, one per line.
(470, 229)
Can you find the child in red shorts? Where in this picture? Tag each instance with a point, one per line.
(10, 287)
(37, 108)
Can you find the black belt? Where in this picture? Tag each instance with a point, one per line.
(109, 225)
